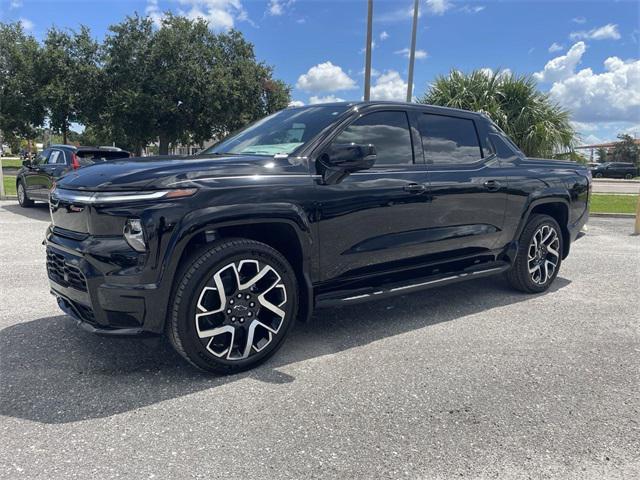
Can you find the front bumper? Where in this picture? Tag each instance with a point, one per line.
(99, 283)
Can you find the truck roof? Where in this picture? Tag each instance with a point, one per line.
(390, 103)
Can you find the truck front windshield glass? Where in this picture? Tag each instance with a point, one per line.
(280, 133)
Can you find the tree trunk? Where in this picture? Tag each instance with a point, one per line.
(64, 134)
(163, 148)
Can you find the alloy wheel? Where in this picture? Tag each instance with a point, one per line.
(543, 254)
(241, 309)
(21, 194)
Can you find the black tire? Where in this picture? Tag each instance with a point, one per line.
(519, 276)
(195, 285)
(23, 198)
(598, 175)
(628, 176)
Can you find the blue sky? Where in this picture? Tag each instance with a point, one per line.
(585, 53)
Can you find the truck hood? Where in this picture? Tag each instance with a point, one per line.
(151, 173)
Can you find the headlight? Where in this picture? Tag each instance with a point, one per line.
(134, 234)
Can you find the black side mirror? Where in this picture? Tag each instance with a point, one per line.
(341, 159)
(26, 163)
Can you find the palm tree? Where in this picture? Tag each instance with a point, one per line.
(540, 127)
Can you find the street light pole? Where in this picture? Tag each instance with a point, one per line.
(367, 66)
(412, 53)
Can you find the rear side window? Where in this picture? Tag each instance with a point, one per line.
(387, 131)
(449, 140)
(56, 156)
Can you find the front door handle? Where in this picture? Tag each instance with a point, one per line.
(415, 188)
(492, 185)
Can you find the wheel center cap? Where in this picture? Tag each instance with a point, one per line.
(242, 307)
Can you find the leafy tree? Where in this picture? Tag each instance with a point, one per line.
(536, 124)
(21, 106)
(602, 153)
(626, 150)
(127, 116)
(182, 83)
(70, 77)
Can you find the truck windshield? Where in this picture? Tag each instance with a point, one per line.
(280, 133)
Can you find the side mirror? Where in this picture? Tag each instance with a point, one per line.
(341, 159)
(352, 157)
(26, 163)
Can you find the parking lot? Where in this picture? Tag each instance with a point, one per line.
(471, 380)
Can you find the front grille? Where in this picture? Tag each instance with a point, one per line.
(64, 274)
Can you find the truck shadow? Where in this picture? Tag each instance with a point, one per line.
(39, 211)
(53, 372)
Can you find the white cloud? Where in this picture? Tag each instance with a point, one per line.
(472, 9)
(438, 7)
(27, 24)
(420, 54)
(561, 67)
(296, 103)
(555, 47)
(374, 72)
(608, 31)
(15, 4)
(278, 7)
(384, 35)
(219, 14)
(325, 77)
(502, 73)
(373, 47)
(153, 12)
(611, 96)
(328, 99)
(398, 15)
(389, 86)
(579, 20)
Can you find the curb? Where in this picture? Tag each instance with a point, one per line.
(613, 215)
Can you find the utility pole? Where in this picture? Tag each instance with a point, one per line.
(367, 65)
(412, 53)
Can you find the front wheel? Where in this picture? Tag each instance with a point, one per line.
(539, 255)
(628, 176)
(597, 175)
(233, 306)
(23, 198)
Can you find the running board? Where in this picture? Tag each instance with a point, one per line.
(357, 295)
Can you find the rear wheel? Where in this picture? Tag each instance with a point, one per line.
(23, 198)
(539, 255)
(628, 176)
(233, 306)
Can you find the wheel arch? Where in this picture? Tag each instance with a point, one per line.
(556, 207)
(284, 229)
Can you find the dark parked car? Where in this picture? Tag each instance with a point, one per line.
(615, 170)
(35, 178)
(310, 207)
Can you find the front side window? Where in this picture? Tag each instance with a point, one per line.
(387, 131)
(280, 133)
(41, 158)
(449, 140)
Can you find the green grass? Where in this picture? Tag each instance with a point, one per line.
(10, 185)
(11, 162)
(613, 203)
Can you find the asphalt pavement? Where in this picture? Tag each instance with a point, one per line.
(472, 380)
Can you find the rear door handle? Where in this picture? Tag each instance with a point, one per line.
(415, 188)
(492, 185)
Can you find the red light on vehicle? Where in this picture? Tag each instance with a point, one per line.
(74, 161)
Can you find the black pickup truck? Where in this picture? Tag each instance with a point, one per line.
(310, 207)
